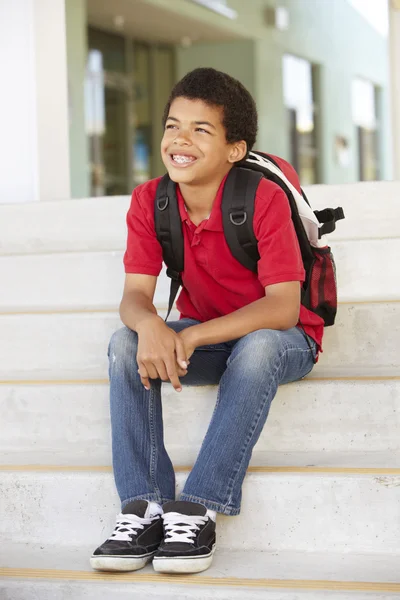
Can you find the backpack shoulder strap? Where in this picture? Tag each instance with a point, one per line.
(169, 233)
(237, 215)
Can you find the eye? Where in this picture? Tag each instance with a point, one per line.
(202, 130)
(170, 126)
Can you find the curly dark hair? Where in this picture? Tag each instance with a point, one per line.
(219, 89)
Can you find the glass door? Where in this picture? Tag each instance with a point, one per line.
(127, 85)
(108, 100)
(142, 143)
(108, 103)
(116, 154)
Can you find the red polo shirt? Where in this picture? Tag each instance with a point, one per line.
(214, 282)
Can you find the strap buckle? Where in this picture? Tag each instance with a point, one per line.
(327, 215)
(239, 217)
(174, 275)
(162, 203)
(328, 218)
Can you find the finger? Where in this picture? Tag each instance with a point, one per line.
(181, 357)
(147, 369)
(161, 370)
(174, 379)
(152, 370)
(173, 375)
(144, 376)
(146, 383)
(181, 372)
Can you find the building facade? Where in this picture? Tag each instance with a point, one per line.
(90, 80)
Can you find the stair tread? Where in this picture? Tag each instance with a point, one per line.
(73, 346)
(379, 461)
(94, 280)
(99, 223)
(244, 565)
(332, 423)
(323, 510)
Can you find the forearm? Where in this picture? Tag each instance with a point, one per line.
(135, 308)
(266, 313)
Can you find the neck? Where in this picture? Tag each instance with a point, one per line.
(199, 199)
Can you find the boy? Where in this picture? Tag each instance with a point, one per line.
(237, 329)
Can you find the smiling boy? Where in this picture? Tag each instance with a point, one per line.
(238, 329)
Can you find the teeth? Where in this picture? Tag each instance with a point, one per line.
(182, 159)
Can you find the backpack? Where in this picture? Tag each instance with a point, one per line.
(319, 292)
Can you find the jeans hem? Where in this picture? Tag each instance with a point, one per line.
(149, 497)
(229, 511)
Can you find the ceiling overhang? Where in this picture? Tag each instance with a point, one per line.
(147, 21)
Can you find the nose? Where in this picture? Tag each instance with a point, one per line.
(183, 138)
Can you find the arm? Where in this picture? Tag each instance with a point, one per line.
(161, 353)
(279, 309)
(137, 300)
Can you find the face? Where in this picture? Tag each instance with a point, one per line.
(194, 147)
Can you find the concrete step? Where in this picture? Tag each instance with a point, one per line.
(72, 281)
(321, 423)
(297, 510)
(365, 340)
(88, 224)
(53, 573)
(71, 346)
(372, 211)
(95, 279)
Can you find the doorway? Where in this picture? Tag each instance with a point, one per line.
(123, 98)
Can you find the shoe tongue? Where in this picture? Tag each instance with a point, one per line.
(137, 507)
(185, 508)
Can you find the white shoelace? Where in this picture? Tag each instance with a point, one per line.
(182, 528)
(128, 525)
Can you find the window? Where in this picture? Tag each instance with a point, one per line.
(365, 120)
(299, 101)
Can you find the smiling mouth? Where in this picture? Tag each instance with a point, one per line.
(182, 160)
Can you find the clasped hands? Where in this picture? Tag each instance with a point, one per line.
(163, 353)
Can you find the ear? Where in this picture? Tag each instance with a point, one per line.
(238, 151)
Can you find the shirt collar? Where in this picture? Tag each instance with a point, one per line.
(214, 222)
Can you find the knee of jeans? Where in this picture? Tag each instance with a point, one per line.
(260, 352)
(122, 348)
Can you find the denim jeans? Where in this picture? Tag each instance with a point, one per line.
(248, 371)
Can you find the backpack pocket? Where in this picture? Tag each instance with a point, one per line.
(320, 292)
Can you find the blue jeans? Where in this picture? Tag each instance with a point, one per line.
(248, 371)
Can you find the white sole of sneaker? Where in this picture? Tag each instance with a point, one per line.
(119, 563)
(183, 565)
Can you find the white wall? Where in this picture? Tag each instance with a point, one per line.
(394, 21)
(34, 148)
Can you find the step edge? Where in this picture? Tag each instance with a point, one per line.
(105, 381)
(193, 580)
(94, 249)
(32, 468)
(160, 307)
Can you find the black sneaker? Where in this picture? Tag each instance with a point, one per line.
(134, 541)
(189, 539)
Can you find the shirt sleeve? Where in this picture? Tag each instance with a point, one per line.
(143, 252)
(280, 256)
